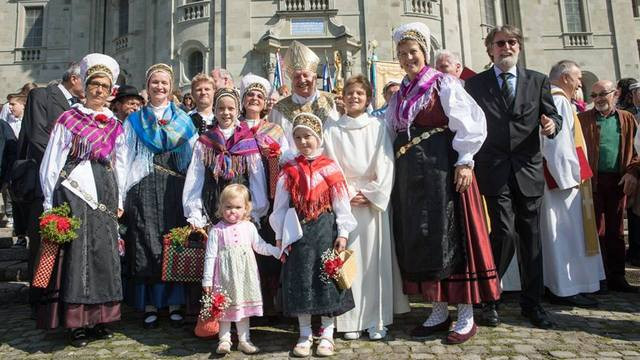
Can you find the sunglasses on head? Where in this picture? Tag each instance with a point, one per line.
(502, 43)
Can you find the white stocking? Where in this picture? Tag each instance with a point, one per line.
(225, 331)
(243, 330)
(465, 319)
(327, 326)
(439, 314)
(304, 321)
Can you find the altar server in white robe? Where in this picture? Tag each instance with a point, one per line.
(570, 251)
(361, 145)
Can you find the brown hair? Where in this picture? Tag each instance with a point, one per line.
(231, 191)
(358, 80)
(28, 87)
(508, 30)
(17, 96)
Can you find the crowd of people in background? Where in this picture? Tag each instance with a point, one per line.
(457, 176)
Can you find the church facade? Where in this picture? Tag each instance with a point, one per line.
(41, 37)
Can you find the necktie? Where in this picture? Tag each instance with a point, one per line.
(74, 100)
(507, 90)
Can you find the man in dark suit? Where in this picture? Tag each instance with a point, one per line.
(518, 106)
(43, 107)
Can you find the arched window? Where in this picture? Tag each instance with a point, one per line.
(195, 63)
(574, 15)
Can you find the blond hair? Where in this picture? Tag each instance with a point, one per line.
(201, 77)
(231, 191)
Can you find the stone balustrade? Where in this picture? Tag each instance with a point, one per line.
(193, 11)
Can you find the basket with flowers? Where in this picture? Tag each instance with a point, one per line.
(57, 227)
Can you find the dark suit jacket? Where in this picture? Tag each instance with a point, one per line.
(44, 106)
(8, 150)
(512, 146)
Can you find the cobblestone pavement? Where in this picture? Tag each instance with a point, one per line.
(610, 332)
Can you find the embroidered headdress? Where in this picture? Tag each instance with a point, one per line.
(222, 92)
(99, 65)
(310, 122)
(416, 31)
(300, 57)
(159, 67)
(254, 82)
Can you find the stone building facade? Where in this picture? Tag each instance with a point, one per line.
(40, 37)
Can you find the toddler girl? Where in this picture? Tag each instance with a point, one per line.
(230, 264)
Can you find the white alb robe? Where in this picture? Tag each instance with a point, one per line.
(363, 149)
(567, 269)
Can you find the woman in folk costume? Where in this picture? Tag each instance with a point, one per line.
(441, 236)
(361, 144)
(319, 221)
(225, 154)
(272, 143)
(79, 168)
(160, 139)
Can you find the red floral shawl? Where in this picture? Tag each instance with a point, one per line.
(310, 183)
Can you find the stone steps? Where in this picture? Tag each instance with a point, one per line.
(14, 253)
(13, 270)
(14, 292)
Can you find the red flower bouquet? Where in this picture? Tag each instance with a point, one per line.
(212, 309)
(340, 267)
(274, 151)
(331, 265)
(57, 228)
(163, 122)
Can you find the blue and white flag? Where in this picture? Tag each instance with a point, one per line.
(327, 83)
(278, 80)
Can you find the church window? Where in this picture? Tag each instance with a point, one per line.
(574, 15)
(195, 64)
(33, 20)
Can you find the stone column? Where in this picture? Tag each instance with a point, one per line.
(270, 66)
(347, 64)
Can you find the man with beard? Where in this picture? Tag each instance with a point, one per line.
(126, 101)
(202, 88)
(609, 136)
(518, 106)
(301, 64)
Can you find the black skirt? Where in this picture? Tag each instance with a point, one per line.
(303, 292)
(91, 264)
(426, 208)
(152, 208)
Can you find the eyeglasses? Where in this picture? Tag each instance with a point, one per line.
(95, 84)
(602, 94)
(502, 43)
